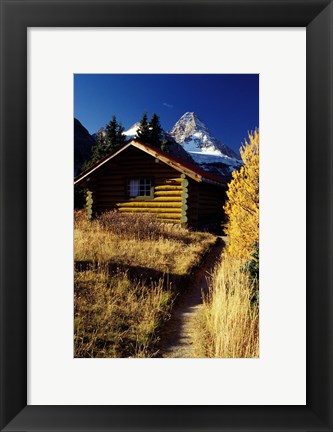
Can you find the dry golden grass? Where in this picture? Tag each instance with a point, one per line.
(139, 241)
(116, 317)
(228, 323)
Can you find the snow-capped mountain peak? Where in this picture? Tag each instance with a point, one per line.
(195, 137)
(188, 124)
(207, 151)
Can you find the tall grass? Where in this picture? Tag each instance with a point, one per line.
(116, 317)
(228, 323)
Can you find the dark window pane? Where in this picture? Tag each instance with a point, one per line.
(139, 187)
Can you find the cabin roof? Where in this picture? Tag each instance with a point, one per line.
(191, 170)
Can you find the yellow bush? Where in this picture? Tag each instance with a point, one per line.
(242, 206)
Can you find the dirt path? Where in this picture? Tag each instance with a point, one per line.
(176, 338)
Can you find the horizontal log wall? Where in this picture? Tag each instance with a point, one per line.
(205, 204)
(110, 187)
(210, 204)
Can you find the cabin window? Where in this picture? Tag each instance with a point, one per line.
(142, 187)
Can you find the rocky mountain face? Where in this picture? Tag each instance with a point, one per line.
(207, 151)
(83, 143)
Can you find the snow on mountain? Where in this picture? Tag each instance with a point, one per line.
(131, 132)
(206, 158)
(206, 150)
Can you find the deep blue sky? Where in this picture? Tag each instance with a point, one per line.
(227, 104)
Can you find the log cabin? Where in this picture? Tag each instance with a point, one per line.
(139, 178)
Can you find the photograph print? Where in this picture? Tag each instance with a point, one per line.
(166, 216)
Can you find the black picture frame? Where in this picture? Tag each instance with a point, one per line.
(16, 17)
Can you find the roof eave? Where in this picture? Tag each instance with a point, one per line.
(206, 180)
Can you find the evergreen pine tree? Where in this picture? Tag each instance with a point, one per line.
(143, 132)
(111, 134)
(97, 150)
(101, 142)
(108, 140)
(155, 131)
(120, 137)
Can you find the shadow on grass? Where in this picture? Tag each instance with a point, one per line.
(140, 273)
(134, 273)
